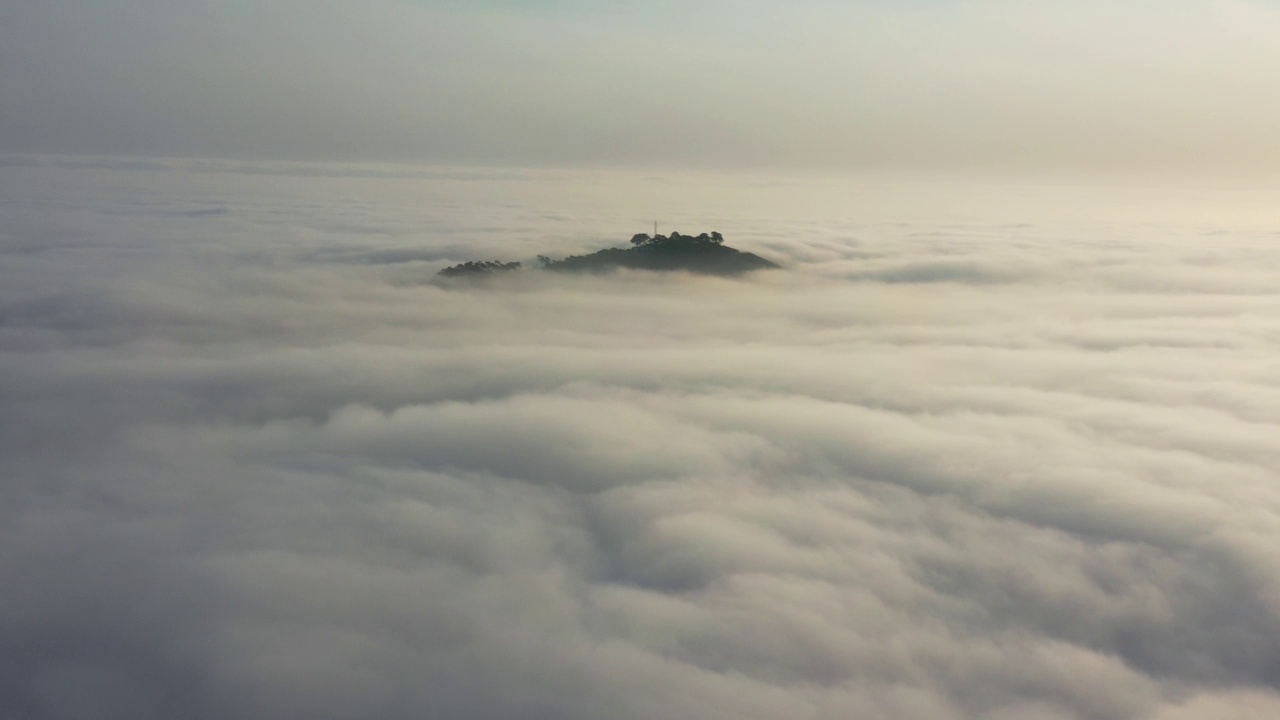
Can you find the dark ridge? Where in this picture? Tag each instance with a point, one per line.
(479, 268)
(704, 254)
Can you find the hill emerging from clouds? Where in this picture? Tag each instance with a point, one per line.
(704, 254)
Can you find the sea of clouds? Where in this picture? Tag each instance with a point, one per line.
(985, 449)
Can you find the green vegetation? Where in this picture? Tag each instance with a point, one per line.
(704, 254)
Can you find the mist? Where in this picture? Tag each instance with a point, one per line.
(985, 448)
(1052, 86)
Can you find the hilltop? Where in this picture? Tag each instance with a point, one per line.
(704, 254)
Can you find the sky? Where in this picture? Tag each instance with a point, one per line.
(1137, 85)
(995, 450)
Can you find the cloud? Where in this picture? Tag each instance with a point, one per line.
(257, 465)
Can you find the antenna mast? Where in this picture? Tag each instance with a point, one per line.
(655, 228)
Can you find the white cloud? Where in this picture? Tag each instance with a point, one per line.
(955, 462)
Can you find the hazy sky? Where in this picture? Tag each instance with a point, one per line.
(1086, 84)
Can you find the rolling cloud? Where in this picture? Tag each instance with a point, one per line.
(976, 453)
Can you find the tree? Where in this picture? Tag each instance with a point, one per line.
(716, 237)
(639, 239)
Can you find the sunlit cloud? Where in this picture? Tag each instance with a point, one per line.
(977, 451)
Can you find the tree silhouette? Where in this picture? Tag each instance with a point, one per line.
(476, 268)
(704, 253)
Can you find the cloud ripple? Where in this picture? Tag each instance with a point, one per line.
(243, 480)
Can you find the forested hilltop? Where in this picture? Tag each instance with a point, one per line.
(705, 254)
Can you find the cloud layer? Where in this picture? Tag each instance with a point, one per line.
(982, 451)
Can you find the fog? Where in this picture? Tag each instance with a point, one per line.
(986, 448)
